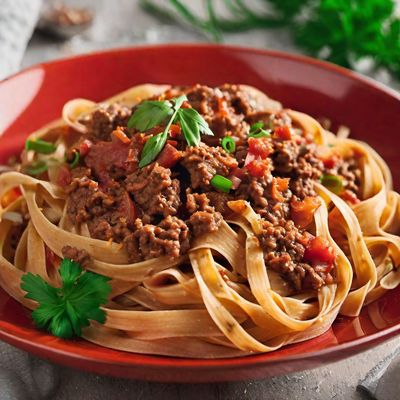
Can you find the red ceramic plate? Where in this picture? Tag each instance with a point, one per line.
(36, 96)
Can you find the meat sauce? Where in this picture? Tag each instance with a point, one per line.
(157, 210)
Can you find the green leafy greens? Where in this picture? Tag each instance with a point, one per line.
(66, 310)
(340, 31)
(148, 116)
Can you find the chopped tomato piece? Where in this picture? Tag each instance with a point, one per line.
(10, 196)
(169, 156)
(350, 197)
(105, 155)
(175, 131)
(258, 168)
(120, 135)
(260, 147)
(84, 147)
(279, 185)
(283, 132)
(64, 176)
(127, 208)
(302, 212)
(330, 162)
(320, 253)
(172, 142)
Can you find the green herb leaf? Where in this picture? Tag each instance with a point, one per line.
(65, 311)
(152, 148)
(332, 182)
(40, 146)
(228, 144)
(150, 114)
(221, 183)
(190, 127)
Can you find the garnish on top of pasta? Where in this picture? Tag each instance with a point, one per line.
(195, 222)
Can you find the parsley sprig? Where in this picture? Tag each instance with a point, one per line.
(152, 113)
(340, 31)
(66, 310)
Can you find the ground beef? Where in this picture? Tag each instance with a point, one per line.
(284, 247)
(219, 201)
(154, 191)
(203, 162)
(223, 109)
(350, 171)
(299, 163)
(156, 210)
(82, 257)
(169, 238)
(203, 218)
(104, 120)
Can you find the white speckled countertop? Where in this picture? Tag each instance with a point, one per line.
(25, 377)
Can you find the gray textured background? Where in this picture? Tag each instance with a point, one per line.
(122, 23)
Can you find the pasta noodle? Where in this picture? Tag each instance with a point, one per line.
(220, 299)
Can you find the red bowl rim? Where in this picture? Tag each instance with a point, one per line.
(154, 361)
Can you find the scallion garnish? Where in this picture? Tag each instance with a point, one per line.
(75, 161)
(228, 144)
(221, 183)
(37, 168)
(40, 146)
(257, 130)
(332, 182)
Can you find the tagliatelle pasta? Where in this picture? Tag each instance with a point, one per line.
(225, 295)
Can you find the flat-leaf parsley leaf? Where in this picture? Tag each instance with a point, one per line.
(66, 310)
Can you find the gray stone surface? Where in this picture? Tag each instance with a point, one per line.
(122, 23)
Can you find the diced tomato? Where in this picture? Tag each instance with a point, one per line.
(175, 131)
(320, 253)
(222, 107)
(64, 176)
(104, 155)
(302, 212)
(172, 142)
(258, 168)
(10, 196)
(331, 161)
(84, 147)
(350, 197)
(283, 132)
(260, 147)
(120, 135)
(279, 185)
(127, 208)
(169, 156)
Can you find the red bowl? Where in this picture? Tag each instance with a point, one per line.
(35, 96)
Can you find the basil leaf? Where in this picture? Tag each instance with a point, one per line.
(189, 126)
(152, 148)
(150, 114)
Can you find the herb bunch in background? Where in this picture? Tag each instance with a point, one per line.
(340, 31)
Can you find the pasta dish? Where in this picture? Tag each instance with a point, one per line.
(195, 222)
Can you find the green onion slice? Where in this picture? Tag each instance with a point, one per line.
(40, 146)
(257, 130)
(221, 183)
(75, 161)
(37, 168)
(332, 182)
(228, 144)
